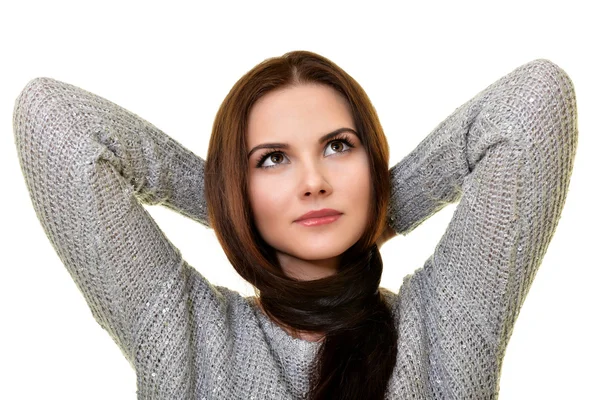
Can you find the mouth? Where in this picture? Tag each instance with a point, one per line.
(318, 221)
(325, 212)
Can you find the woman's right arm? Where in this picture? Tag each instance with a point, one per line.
(88, 165)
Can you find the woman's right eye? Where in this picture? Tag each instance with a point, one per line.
(269, 157)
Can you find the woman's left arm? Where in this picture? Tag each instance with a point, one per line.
(508, 155)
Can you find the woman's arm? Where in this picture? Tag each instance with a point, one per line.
(88, 163)
(508, 155)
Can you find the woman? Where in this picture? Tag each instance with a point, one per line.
(319, 326)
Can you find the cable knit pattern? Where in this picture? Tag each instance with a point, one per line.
(507, 155)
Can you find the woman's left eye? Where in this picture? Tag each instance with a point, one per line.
(338, 141)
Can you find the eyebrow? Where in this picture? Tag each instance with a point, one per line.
(323, 139)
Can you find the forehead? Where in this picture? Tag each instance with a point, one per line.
(308, 109)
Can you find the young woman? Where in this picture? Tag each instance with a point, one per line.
(297, 188)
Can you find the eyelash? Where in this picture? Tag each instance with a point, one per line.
(342, 138)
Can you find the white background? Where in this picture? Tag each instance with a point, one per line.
(173, 65)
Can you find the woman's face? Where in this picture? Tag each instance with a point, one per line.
(309, 174)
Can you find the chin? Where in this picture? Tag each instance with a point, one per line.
(322, 251)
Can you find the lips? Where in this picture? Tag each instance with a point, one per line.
(325, 212)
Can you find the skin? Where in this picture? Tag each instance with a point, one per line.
(307, 176)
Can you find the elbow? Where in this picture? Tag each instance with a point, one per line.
(552, 84)
(32, 95)
(32, 102)
(552, 96)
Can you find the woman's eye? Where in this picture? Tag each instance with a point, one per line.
(271, 157)
(340, 145)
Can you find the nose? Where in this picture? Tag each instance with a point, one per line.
(314, 181)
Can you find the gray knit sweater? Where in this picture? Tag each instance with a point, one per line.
(507, 155)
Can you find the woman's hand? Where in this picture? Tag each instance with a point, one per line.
(387, 234)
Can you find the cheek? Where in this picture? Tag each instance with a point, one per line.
(270, 200)
(357, 183)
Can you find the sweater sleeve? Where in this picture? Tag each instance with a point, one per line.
(508, 155)
(89, 164)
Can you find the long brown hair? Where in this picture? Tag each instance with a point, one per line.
(359, 351)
